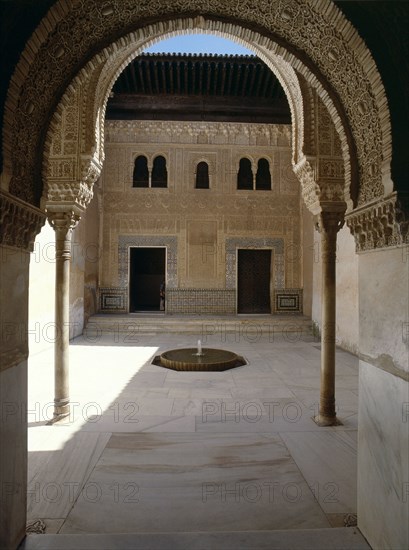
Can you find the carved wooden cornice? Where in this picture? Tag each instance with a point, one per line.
(380, 224)
(19, 222)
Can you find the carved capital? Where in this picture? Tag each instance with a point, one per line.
(19, 222)
(380, 224)
(63, 187)
(319, 195)
(330, 222)
(306, 173)
(63, 222)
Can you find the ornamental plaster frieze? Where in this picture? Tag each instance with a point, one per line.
(118, 131)
(19, 222)
(380, 224)
(121, 203)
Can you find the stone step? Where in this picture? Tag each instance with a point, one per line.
(199, 325)
(343, 538)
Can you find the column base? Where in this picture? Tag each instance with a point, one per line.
(57, 418)
(61, 410)
(322, 420)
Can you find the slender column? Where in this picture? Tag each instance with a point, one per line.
(329, 225)
(63, 224)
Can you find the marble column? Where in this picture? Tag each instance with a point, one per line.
(19, 225)
(329, 224)
(63, 224)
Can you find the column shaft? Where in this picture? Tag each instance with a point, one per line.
(330, 223)
(63, 224)
(62, 321)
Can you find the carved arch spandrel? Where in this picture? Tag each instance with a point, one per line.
(313, 36)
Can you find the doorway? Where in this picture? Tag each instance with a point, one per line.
(147, 271)
(253, 281)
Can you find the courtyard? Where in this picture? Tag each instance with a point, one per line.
(150, 450)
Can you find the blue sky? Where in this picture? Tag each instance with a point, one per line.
(198, 43)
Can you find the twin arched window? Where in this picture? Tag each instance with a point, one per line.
(245, 179)
(158, 177)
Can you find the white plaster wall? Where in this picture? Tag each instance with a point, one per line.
(316, 281)
(347, 292)
(42, 291)
(347, 318)
(84, 269)
(77, 278)
(14, 279)
(13, 465)
(92, 257)
(83, 280)
(384, 307)
(383, 458)
(307, 240)
(383, 450)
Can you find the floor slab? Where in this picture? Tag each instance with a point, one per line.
(195, 482)
(245, 433)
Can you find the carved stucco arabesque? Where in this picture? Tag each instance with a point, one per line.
(154, 214)
(322, 177)
(316, 28)
(19, 222)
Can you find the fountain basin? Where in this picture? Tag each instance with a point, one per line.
(188, 359)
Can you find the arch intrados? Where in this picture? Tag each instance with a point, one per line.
(281, 64)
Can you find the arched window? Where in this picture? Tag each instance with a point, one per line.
(159, 172)
(263, 176)
(245, 175)
(202, 175)
(140, 172)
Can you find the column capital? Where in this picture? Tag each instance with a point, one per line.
(329, 221)
(63, 221)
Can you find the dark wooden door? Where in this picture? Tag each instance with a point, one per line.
(147, 271)
(253, 281)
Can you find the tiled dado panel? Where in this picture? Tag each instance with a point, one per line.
(288, 300)
(201, 301)
(113, 300)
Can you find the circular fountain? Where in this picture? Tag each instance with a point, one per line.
(199, 359)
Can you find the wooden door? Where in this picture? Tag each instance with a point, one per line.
(147, 272)
(253, 285)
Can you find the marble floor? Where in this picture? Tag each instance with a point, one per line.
(150, 450)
